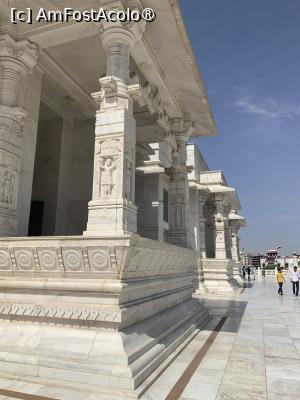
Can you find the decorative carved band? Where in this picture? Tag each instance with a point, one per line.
(56, 311)
(115, 261)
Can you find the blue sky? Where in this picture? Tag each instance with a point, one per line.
(249, 58)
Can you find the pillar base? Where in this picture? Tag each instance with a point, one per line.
(236, 273)
(181, 239)
(219, 276)
(8, 222)
(111, 219)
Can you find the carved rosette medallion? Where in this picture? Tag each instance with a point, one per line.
(5, 261)
(73, 260)
(99, 259)
(24, 259)
(48, 260)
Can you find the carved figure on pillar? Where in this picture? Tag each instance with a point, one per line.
(107, 166)
(129, 178)
(8, 188)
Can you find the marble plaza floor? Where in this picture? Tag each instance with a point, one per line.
(253, 354)
(256, 354)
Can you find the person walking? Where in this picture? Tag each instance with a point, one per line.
(244, 271)
(295, 276)
(254, 272)
(249, 272)
(280, 279)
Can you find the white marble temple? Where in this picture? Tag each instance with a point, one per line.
(109, 218)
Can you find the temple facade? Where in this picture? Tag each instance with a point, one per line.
(111, 223)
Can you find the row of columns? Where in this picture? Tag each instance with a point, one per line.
(226, 231)
(112, 210)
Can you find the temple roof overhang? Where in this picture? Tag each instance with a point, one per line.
(167, 64)
(231, 196)
(216, 183)
(237, 219)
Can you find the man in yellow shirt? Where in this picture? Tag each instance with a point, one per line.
(280, 279)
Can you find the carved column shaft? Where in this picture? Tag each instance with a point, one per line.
(16, 59)
(112, 210)
(118, 61)
(220, 223)
(179, 228)
(10, 76)
(202, 224)
(235, 250)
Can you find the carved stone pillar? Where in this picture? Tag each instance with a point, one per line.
(235, 245)
(194, 218)
(202, 223)
(112, 210)
(179, 229)
(221, 227)
(16, 60)
(228, 241)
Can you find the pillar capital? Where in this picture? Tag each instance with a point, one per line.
(112, 33)
(203, 196)
(17, 58)
(118, 39)
(22, 54)
(182, 129)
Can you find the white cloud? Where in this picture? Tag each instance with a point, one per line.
(267, 107)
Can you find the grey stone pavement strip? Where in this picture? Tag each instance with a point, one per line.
(256, 355)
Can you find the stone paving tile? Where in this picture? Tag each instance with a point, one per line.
(214, 363)
(248, 356)
(277, 339)
(283, 387)
(209, 375)
(241, 378)
(284, 350)
(241, 391)
(198, 390)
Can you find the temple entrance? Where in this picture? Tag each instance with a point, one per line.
(62, 180)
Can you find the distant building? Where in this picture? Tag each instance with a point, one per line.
(288, 262)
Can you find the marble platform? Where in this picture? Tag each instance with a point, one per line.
(94, 314)
(256, 354)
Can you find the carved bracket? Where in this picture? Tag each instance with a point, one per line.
(148, 95)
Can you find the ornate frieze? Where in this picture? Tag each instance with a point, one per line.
(86, 260)
(101, 270)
